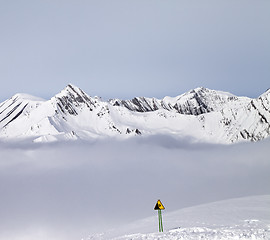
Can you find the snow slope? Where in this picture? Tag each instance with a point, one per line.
(242, 218)
(202, 114)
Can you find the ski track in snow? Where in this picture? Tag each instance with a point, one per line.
(196, 233)
(251, 230)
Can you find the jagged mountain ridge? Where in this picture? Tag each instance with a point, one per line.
(201, 113)
(194, 102)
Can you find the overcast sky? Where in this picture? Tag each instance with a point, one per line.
(134, 48)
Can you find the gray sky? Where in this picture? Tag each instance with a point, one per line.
(134, 48)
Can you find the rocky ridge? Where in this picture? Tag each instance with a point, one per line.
(203, 114)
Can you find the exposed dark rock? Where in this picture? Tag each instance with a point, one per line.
(17, 115)
(137, 131)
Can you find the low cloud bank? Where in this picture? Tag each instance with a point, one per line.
(69, 190)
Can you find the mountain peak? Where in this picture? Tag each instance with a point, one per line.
(71, 89)
(201, 113)
(200, 89)
(72, 97)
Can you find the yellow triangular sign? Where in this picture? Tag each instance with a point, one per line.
(159, 206)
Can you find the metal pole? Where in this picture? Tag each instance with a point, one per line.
(160, 225)
(158, 221)
(159, 212)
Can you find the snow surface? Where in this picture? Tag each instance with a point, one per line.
(242, 218)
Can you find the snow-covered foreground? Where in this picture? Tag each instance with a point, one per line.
(72, 190)
(243, 218)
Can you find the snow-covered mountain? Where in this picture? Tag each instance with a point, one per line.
(202, 114)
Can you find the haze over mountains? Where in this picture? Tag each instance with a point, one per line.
(201, 114)
(73, 189)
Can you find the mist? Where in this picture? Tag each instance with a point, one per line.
(73, 189)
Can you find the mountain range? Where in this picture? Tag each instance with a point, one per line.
(201, 114)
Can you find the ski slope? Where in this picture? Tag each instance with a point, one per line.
(241, 218)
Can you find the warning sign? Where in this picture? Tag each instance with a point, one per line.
(159, 206)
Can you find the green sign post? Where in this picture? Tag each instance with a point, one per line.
(159, 206)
